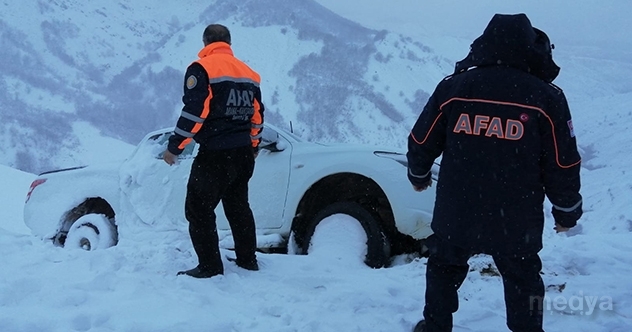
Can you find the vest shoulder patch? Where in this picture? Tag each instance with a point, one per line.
(191, 82)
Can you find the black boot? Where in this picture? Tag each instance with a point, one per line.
(198, 272)
(420, 327)
(251, 265)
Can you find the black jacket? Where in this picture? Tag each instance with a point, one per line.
(507, 140)
(222, 103)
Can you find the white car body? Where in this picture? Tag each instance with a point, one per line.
(143, 189)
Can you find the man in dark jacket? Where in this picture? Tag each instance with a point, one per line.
(507, 140)
(223, 113)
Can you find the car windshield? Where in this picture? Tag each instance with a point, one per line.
(162, 140)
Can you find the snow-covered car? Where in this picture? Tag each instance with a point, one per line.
(295, 185)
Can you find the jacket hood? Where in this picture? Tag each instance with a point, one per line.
(511, 40)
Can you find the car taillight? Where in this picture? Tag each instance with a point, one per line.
(34, 184)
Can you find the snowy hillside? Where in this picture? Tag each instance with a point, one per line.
(118, 67)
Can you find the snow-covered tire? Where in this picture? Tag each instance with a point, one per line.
(377, 244)
(91, 232)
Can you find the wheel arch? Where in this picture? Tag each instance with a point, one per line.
(341, 187)
(96, 205)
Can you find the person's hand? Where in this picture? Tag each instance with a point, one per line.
(560, 229)
(423, 187)
(169, 158)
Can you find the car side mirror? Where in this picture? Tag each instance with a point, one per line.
(271, 147)
(269, 140)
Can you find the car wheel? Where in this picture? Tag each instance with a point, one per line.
(377, 244)
(90, 232)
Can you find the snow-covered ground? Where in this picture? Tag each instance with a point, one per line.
(133, 286)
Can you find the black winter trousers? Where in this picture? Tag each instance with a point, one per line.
(447, 269)
(221, 175)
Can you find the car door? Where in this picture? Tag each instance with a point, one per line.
(269, 183)
(152, 191)
(156, 192)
